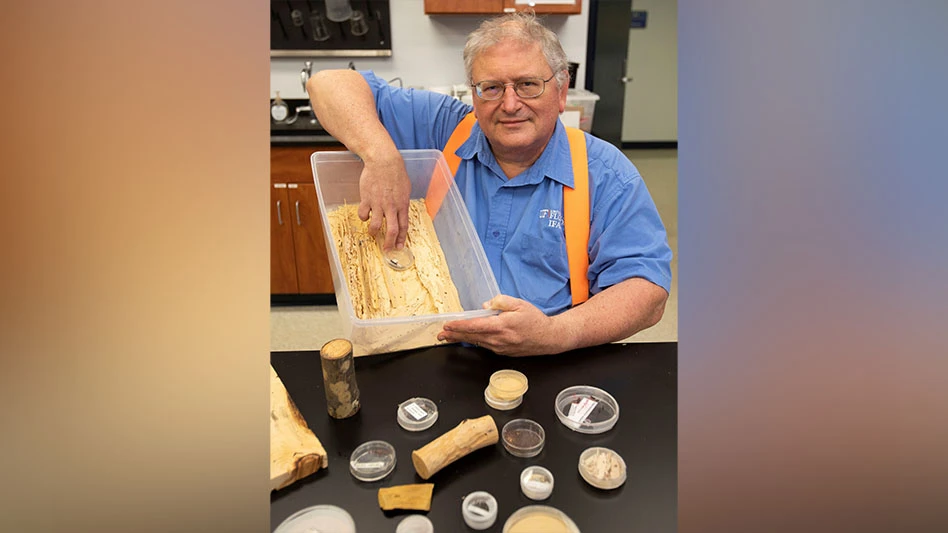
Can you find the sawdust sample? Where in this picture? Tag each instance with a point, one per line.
(378, 291)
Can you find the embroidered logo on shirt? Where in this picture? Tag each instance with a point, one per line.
(553, 217)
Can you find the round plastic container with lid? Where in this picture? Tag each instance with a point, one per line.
(523, 437)
(507, 385)
(479, 510)
(501, 405)
(602, 468)
(417, 414)
(534, 518)
(372, 460)
(587, 409)
(318, 518)
(536, 482)
(415, 523)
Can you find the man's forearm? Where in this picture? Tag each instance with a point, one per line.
(343, 103)
(614, 314)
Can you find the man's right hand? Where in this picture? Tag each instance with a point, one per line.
(385, 190)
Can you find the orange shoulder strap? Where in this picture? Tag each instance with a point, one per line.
(575, 201)
(438, 186)
(576, 217)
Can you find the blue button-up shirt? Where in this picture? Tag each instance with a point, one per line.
(520, 220)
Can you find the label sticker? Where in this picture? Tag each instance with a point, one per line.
(415, 411)
(582, 410)
(370, 466)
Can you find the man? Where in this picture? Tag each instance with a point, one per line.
(512, 173)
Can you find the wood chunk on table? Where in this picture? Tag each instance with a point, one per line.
(295, 452)
(416, 497)
(378, 291)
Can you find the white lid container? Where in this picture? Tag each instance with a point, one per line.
(415, 523)
(479, 510)
(602, 468)
(536, 482)
(372, 460)
(318, 518)
(417, 414)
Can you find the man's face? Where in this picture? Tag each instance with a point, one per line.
(517, 127)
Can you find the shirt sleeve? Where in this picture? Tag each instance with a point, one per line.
(627, 238)
(416, 119)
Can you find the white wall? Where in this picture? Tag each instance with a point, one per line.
(426, 50)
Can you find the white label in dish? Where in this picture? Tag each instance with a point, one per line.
(370, 466)
(579, 412)
(415, 411)
(537, 486)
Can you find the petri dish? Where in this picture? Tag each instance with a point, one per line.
(602, 468)
(417, 414)
(523, 437)
(318, 518)
(501, 405)
(415, 523)
(534, 518)
(372, 460)
(536, 482)
(479, 510)
(506, 385)
(587, 409)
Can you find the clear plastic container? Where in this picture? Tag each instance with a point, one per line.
(536, 482)
(537, 518)
(336, 175)
(523, 437)
(501, 405)
(587, 409)
(602, 468)
(318, 518)
(506, 385)
(585, 101)
(372, 461)
(415, 523)
(417, 414)
(479, 510)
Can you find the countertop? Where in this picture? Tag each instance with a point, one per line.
(642, 378)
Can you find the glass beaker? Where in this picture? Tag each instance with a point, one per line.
(338, 10)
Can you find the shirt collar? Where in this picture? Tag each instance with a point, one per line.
(555, 162)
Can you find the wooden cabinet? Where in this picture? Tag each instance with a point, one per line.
(473, 7)
(299, 261)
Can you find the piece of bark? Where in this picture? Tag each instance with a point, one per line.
(469, 435)
(416, 497)
(342, 391)
(295, 452)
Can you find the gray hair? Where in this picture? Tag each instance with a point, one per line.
(521, 26)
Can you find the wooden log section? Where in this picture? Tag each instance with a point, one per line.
(415, 497)
(342, 391)
(295, 452)
(471, 434)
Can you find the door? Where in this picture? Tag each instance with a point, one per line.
(283, 278)
(651, 95)
(312, 257)
(607, 44)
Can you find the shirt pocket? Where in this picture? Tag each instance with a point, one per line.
(543, 278)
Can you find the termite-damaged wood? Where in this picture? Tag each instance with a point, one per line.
(416, 497)
(342, 391)
(295, 452)
(469, 435)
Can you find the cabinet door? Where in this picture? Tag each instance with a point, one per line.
(312, 257)
(283, 278)
(440, 7)
(563, 7)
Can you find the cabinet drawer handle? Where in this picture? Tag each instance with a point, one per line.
(279, 213)
(298, 221)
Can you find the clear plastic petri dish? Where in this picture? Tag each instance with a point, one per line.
(417, 414)
(534, 518)
(507, 385)
(587, 409)
(501, 405)
(372, 460)
(602, 468)
(523, 437)
(318, 518)
(536, 482)
(479, 510)
(415, 523)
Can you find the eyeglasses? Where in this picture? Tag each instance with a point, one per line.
(525, 88)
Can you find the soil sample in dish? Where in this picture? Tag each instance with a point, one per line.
(379, 291)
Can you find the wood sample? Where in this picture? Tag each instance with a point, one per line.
(342, 391)
(378, 291)
(416, 497)
(469, 435)
(295, 452)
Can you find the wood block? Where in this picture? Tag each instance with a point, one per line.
(295, 452)
(416, 497)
